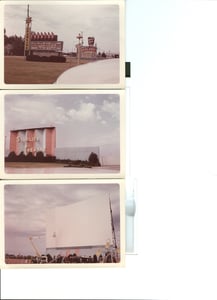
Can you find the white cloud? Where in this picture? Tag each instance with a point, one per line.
(33, 113)
(111, 108)
(85, 112)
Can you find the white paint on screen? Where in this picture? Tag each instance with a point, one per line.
(50, 228)
(39, 143)
(82, 224)
(21, 145)
(44, 141)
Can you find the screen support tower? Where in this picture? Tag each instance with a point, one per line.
(114, 241)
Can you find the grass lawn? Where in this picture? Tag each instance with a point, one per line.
(19, 71)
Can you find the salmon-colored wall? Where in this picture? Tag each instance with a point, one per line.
(50, 141)
(30, 141)
(13, 142)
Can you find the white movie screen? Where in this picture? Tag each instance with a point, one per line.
(62, 223)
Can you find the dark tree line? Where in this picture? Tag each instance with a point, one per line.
(93, 159)
(13, 45)
(12, 157)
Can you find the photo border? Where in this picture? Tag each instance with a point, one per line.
(121, 184)
(118, 174)
(120, 85)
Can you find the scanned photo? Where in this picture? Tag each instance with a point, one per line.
(63, 134)
(63, 223)
(65, 43)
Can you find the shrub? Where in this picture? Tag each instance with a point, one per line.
(94, 160)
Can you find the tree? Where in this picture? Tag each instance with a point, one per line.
(21, 156)
(30, 157)
(13, 45)
(40, 156)
(12, 156)
(94, 160)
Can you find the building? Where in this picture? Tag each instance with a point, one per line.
(86, 52)
(34, 140)
(76, 153)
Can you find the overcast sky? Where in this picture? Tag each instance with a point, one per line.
(67, 21)
(81, 120)
(26, 206)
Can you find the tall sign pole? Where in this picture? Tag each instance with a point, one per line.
(80, 43)
(27, 43)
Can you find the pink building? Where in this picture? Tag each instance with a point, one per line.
(33, 140)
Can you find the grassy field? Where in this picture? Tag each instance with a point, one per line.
(19, 71)
(17, 261)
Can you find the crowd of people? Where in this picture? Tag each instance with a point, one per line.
(108, 257)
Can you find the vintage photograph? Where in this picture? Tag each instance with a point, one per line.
(63, 223)
(63, 134)
(69, 44)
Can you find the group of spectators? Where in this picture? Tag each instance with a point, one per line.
(108, 257)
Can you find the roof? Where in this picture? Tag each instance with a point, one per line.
(33, 128)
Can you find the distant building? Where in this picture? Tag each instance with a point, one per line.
(76, 153)
(86, 52)
(41, 139)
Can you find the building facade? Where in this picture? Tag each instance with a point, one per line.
(33, 140)
(86, 52)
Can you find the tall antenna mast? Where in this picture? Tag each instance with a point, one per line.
(112, 224)
(27, 46)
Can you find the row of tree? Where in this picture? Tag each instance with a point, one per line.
(13, 45)
(39, 157)
(92, 161)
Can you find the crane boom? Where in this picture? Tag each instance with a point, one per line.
(34, 247)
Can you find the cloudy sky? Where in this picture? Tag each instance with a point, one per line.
(26, 207)
(100, 21)
(81, 120)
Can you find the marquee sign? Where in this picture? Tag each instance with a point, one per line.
(88, 51)
(56, 46)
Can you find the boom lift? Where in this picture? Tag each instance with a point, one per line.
(40, 258)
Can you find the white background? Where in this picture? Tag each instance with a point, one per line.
(172, 46)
